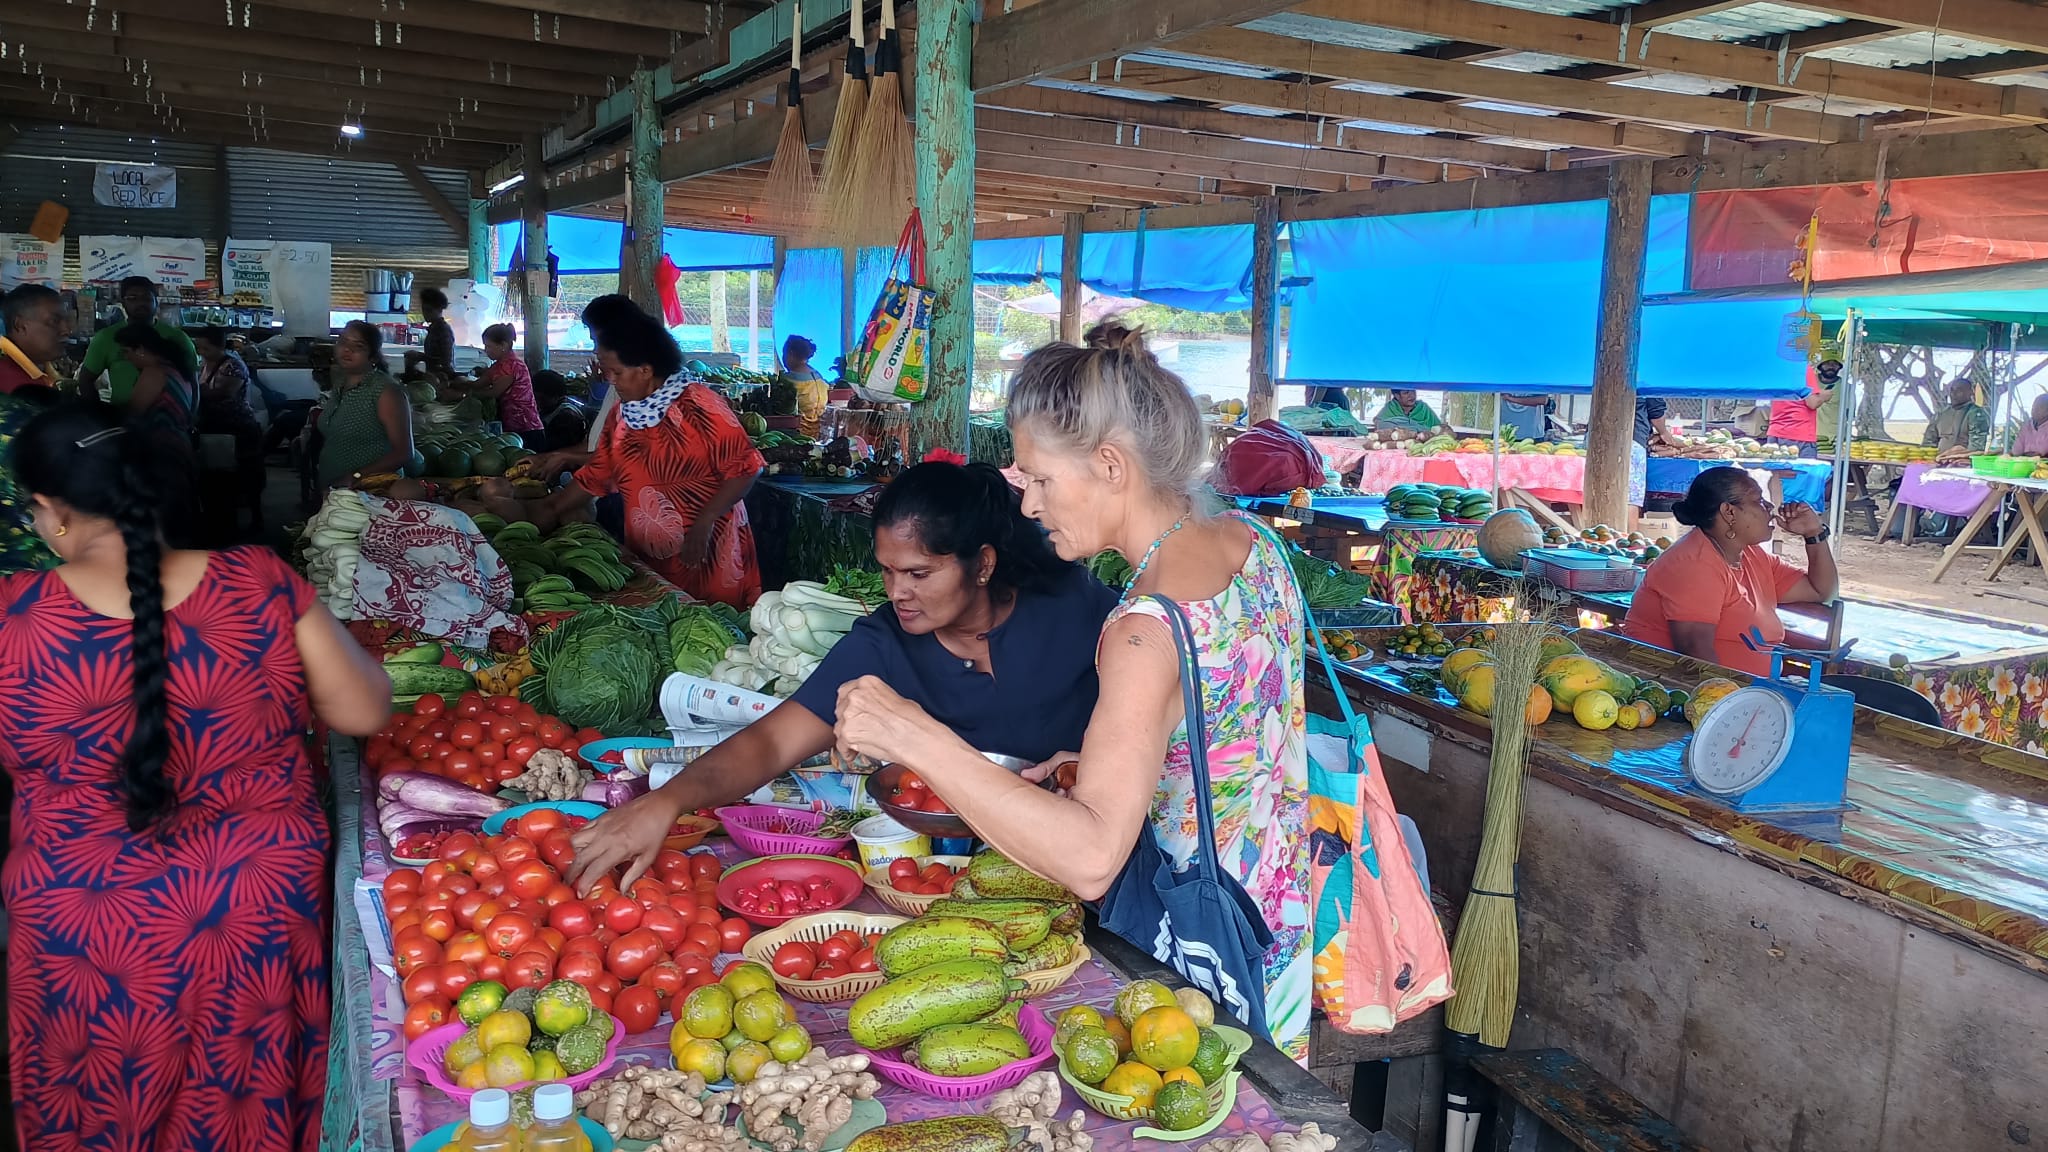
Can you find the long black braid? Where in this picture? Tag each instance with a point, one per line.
(80, 454)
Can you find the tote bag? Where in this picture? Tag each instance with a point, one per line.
(1200, 922)
(889, 365)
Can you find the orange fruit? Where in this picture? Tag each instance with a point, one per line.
(1134, 1080)
(1165, 1038)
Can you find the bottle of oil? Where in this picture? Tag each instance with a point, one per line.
(554, 1126)
(490, 1125)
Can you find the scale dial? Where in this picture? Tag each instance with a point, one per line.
(1740, 742)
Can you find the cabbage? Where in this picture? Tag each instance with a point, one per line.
(698, 638)
(600, 669)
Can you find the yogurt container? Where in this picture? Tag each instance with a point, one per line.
(882, 840)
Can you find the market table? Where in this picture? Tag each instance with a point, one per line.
(1533, 477)
(1355, 531)
(1946, 489)
(1871, 978)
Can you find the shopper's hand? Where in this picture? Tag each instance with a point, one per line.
(1061, 767)
(1799, 519)
(695, 548)
(631, 834)
(874, 721)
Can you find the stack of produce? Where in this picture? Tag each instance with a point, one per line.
(736, 1027)
(451, 441)
(1433, 445)
(1421, 501)
(520, 1036)
(793, 629)
(417, 669)
(1721, 445)
(601, 668)
(1155, 1047)
(1324, 585)
(730, 374)
(1607, 542)
(1888, 452)
(700, 634)
(561, 572)
(1594, 694)
(330, 549)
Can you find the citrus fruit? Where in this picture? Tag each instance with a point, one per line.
(704, 1057)
(789, 1043)
(1134, 1080)
(1180, 1106)
(1212, 1057)
(1165, 1038)
(1625, 719)
(744, 1062)
(507, 1064)
(1595, 710)
(746, 978)
(732, 1040)
(480, 1000)
(1073, 1020)
(472, 1077)
(1134, 998)
(760, 1015)
(548, 1066)
(561, 1006)
(582, 1048)
(1120, 1034)
(503, 1028)
(707, 1012)
(1181, 1075)
(461, 1054)
(1197, 1005)
(1091, 1054)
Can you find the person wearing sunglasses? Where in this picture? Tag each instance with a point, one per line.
(1719, 581)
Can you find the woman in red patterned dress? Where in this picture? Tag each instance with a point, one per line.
(166, 972)
(674, 450)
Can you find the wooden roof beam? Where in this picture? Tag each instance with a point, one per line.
(1657, 13)
(495, 23)
(1137, 160)
(2008, 23)
(1158, 146)
(456, 219)
(690, 16)
(211, 127)
(1755, 67)
(260, 111)
(1474, 82)
(172, 88)
(1057, 35)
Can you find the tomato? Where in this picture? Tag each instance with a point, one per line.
(414, 951)
(600, 999)
(623, 915)
(911, 782)
(706, 915)
(571, 918)
(863, 961)
(407, 920)
(422, 749)
(557, 893)
(637, 1008)
(934, 872)
(491, 967)
(830, 970)
(438, 924)
(904, 883)
(531, 879)
(794, 960)
(451, 979)
(693, 964)
(487, 912)
(557, 848)
(510, 933)
(469, 705)
(834, 948)
(733, 934)
(529, 969)
(458, 764)
(504, 705)
(429, 705)
(666, 978)
(491, 753)
(703, 938)
(515, 850)
(633, 953)
(403, 881)
(667, 924)
(426, 1016)
(465, 907)
(582, 967)
(931, 803)
(902, 867)
(502, 729)
(553, 733)
(520, 749)
(421, 984)
(535, 825)
(703, 864)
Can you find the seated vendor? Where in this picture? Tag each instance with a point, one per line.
(1709, 589)
(986, 628)
(1406, 411)
(1960, 429)
(2033, 435)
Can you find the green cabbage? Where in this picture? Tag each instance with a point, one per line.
(601, 668)
(698, 638)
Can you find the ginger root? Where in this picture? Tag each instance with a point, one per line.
(1034, 1100)
(1308, 1139)
(816, 1093)
(656, 1103)
(1043, 1134)
(551, 775)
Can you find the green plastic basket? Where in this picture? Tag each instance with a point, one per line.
(1236, 1042)
(1988, 464)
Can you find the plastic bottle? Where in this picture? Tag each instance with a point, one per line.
(554, 1127)
(490, 1125)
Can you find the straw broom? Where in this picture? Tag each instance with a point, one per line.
(789, 202)
(1485, 964)
(841, 192)
(885, 170)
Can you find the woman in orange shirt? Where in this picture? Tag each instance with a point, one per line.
(1718, 582)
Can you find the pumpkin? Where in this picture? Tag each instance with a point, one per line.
(1505, 534)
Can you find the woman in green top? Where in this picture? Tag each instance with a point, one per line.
(105, 354)
(367, 425)
(1405, 410)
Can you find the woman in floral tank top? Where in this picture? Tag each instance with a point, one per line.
(1112, 447)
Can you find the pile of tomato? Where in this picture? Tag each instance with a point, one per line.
(934, 879)
(913, 793)
(478, 740)
(840, 954)
(496, 908)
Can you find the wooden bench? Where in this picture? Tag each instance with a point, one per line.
(1549, 1101)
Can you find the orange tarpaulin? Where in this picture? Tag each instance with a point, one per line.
(1751, 237)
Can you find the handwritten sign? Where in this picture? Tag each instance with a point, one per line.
(170, 261)
(295, 277)
(135, 186)
(27, 260)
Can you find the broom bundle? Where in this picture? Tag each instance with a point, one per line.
(885, 171)
(841, 182)
(789, 201)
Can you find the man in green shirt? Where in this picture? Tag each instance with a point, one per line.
(138, 300)
(1961, 428)
(1406, 411)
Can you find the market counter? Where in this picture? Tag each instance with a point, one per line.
(797, 535)
(1871, 979)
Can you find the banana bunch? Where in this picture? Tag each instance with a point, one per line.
(552, 594)
(559, 572)
(589, 558)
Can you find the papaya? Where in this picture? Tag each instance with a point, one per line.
(968, 1049)
(1021, 923)
(997, 877)
(947, 1134)
(953, 992)
(1566, 677)
(932, 940)
(1705, 696)
(1460, 661)
(1475, 689)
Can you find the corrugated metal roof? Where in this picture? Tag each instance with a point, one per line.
(1910, 48)
(1837, 106)
(1518, 142)
(1749, 21)
(1203, 64)
(1674, 82)
(58, 162)
(1251, 110)
(1379, 126)
(1519, 109)
(2026, 79)
(1374, 89)
(1529, 62)
(1340, 32)
(1563, 7)
(291, 196)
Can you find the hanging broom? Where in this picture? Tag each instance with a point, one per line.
(885, 171)
(841, 184)
(1485, 966)
(789, 202)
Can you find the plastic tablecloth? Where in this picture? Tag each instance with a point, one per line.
(1560, 478)
(1808, 483)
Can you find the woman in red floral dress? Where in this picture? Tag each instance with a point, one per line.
(674, 450)
(166, 971)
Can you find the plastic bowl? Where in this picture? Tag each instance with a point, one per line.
(812, 929)
(1038, 1032)
(945, 825)
(909, 903)
(752, 827)
(1235, 1040)
(689, 832)
(583, 808)
(593, 752)
(427, 1053)
(844, 880)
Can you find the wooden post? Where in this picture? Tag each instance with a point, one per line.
(479, 232)
(945, 196)
(1610, 431)
(533, 194)
(1071, 240)
(1260, 404)
(644, 207)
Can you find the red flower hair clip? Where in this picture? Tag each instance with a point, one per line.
(942, 456)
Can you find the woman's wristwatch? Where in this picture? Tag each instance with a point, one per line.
(1825, 532)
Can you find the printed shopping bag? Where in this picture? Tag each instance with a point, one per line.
(889, 365)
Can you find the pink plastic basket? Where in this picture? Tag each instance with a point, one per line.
(428, 1052)
(1038, 1032)
(748, 826)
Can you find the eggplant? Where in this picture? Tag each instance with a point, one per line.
(435, 794)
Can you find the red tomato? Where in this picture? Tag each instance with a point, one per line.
(407, 922)
(535, 825)
(582, 967)
(901, 868)
(521, 749)
(554, 733)
(637, 1008)
(863, 961)
(504, 705)
(934, 871)
(529, 969)
(633, 953)
(423, 984)
(491, 753)
(469, 705)
(649, 892)
(516, 850)
(467, 734)
(438, 924)
(429, 705)
(623, 915)
(733, 934)
(451, 979)
(421, 748)
(703, 864)
(491, 967)
(503, 729)
(911, 782)
(557, 893)
(551, 941)
(571, 918)
(834, 948)
(510, 933)
(932, 803)
(703, 938)
(465, 907)
(531, 879)
(667, 924)
(830, 970)
(486, 866)
(600, 999)
(426, 1016)
(466, 948)
(706, 915)
(558, 849)
(456, 765)
(666, 978)
(794, 960)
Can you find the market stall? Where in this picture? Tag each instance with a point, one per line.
(797, 533)
(1974, 494)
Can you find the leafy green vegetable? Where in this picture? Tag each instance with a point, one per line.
(1111, 568)
(858, 584)
(698, 638)
(1324, 585)
(602, 667)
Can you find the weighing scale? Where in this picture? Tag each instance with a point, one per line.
(1776, 745)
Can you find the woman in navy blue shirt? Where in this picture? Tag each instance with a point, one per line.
(986, 628)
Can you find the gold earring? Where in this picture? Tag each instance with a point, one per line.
(59, 530)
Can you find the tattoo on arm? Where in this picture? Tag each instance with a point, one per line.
(1135, 640)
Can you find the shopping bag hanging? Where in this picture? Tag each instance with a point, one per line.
(889, 365)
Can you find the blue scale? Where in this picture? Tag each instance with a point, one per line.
(1776, 745)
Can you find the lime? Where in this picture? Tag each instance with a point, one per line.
(1212, 1057)
(790, 1043)
(461, 1054)
(480, 1000)
(548, 1066)
(1072, 1020)
(760, 1015)
(1090, 1054)
(744, 1062)
(561, 1006)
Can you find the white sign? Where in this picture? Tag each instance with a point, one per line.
(170, 262)
(295, 277)
(245, 267)
(135, 186)
(27, 260)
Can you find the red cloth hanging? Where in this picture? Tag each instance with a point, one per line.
(666, 275)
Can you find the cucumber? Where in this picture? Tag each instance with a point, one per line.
(1022, 923)
(931, 940)
(1056, 949)
(1007, 1016)
(968, 1049)
(950, 1134)
(955, 992)
(997, 877)
(418, 679)
(417, 654)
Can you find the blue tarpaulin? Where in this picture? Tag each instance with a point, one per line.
(1198, 269)
(1501, 299)
(809, 302)
(1021, 260)
(583, 246)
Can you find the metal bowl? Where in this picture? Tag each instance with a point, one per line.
(945, 825)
